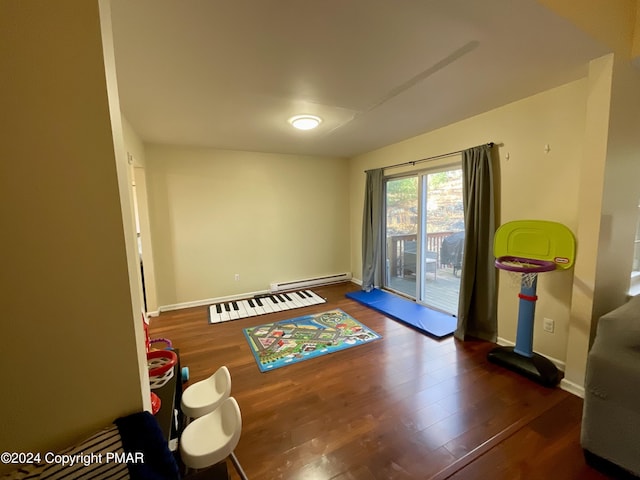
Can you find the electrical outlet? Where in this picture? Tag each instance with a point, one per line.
(549, 325)
(236, 277)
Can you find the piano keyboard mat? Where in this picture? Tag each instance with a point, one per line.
(262, 304)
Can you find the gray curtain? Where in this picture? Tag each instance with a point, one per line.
(372, 265)
(477, 303)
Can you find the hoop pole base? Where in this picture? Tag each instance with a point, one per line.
(537, 368)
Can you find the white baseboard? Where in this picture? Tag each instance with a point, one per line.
(571, 387)
(209, 301)
(310, 282)
(357, 281)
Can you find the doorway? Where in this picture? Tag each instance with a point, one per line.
(143, 231)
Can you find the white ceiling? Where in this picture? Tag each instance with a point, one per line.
(229, 73)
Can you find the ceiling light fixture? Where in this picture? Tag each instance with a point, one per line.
(305, 122)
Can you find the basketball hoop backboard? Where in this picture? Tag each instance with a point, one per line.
(536, 239)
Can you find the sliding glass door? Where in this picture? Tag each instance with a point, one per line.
(424, 233)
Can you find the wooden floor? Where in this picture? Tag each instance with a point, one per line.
(404, 407)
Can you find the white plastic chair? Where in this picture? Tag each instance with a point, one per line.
(206, 395)
(213, 437)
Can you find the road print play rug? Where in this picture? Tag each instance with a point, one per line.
(283, 343)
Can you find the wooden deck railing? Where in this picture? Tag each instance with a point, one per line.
(396, 246)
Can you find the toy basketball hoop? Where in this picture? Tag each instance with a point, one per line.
(156, 403)
(524, 249)
(156, 344)
(160, 364)
(524, 271)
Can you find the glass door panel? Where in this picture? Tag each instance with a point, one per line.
(401, 233)
(442, 236)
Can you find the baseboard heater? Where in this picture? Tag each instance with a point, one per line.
(310, 282)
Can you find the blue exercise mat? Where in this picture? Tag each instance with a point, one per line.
(431, 322)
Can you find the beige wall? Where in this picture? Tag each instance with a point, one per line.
(611, 172)
(610, 193)
(124, 176)
(612, 151)
(266, 217)
(589, 215)
(635, 49)
(67, 298)
(532, 184)
(621, 189)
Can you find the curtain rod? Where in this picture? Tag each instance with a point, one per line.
(435, 157)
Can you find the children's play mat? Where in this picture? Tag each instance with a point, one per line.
(278, 344)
